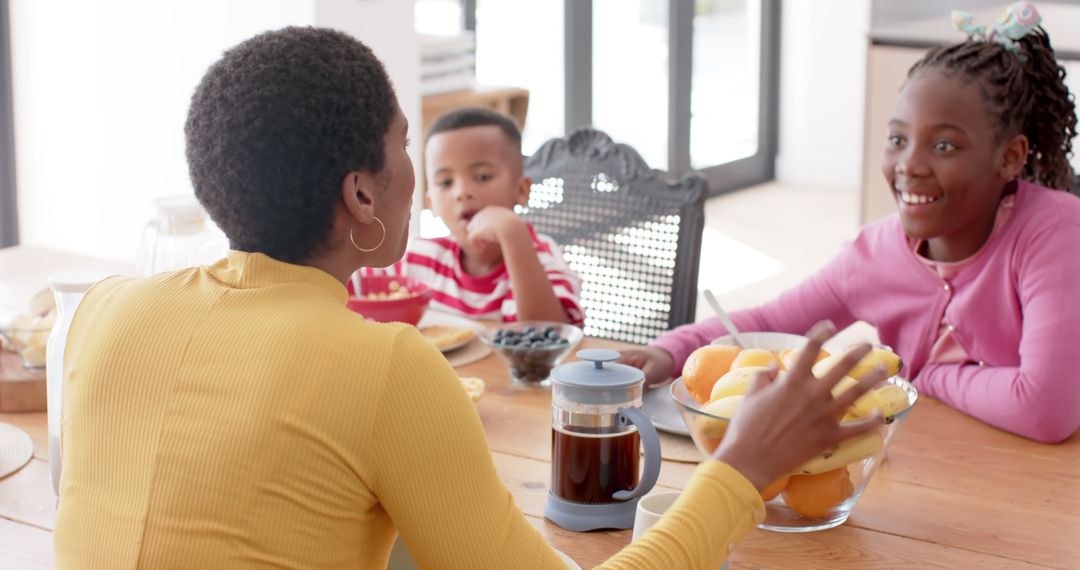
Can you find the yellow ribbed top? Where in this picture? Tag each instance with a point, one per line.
(240, 416)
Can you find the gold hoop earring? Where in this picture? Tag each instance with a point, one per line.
(377, 246)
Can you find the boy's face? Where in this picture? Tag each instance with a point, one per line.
(470, 169)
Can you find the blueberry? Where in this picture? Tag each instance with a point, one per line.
(529, 329)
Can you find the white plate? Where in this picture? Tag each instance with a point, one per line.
(433, 317)
(452, 347)
(436, 317)
(661, 409)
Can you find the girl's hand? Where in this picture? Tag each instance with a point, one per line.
(783, 423)
(656, 363)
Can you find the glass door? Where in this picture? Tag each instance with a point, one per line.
(690, 84)
(631, 57)
(733, 87)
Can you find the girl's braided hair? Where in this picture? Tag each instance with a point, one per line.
(1026, 92)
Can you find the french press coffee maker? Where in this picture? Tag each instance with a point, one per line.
(597, 431)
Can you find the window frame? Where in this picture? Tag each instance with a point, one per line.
(578, 96)
(9, 211)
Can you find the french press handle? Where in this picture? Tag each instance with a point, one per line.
(651, 442)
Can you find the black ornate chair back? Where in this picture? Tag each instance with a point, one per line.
(632, 235)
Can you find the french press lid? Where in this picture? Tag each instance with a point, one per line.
(597, 379)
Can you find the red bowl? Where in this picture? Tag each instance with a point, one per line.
(406, 309)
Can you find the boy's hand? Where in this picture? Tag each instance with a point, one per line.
(534, 294)
(492, 224)
(656, 363)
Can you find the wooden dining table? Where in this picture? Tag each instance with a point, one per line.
(953, 492)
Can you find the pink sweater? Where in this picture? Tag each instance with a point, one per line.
(1015, 311)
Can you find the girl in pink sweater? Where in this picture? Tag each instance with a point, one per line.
(976, 281)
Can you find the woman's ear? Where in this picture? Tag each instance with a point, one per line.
(1014, 156)
(524, 187)
(358, 195)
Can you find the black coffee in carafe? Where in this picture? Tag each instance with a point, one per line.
(590, 467)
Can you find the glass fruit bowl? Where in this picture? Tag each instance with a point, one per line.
(28, 341)
(821, 493)
(532, 348)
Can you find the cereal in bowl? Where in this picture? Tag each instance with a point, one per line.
(396, 292)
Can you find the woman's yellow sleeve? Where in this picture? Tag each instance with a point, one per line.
(435, 477)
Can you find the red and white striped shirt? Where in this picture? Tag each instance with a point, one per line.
(437, 263)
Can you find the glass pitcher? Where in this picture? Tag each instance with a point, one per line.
(179, 236)
(69, 288)
(597, 432)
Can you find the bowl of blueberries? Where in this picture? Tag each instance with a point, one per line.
(532, 348)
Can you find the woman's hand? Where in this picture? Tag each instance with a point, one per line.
(783, 423)
(656, 363)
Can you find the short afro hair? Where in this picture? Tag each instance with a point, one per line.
(466, 117)
(274, 127)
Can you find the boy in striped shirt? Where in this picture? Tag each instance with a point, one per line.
(493, 265)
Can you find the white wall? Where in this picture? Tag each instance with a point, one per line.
(387, 27)
(102, 89)
(822, 85)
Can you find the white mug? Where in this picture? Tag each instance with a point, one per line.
(649, 511)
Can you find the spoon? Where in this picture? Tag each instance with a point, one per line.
(724, 318)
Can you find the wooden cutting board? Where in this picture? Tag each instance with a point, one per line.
(21, 390)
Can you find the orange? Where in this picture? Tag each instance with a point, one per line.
(705, 366)
(709, 444)
(773, 489)
(756, 357)
(818, 495)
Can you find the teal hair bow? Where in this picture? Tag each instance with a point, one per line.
(1017, 21)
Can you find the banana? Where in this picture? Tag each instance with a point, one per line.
(42, 302)
(865, 405)
(850, 451)
(878, 355)
(823, 366)
(711, 428)
(735, 382)
(893, 400)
